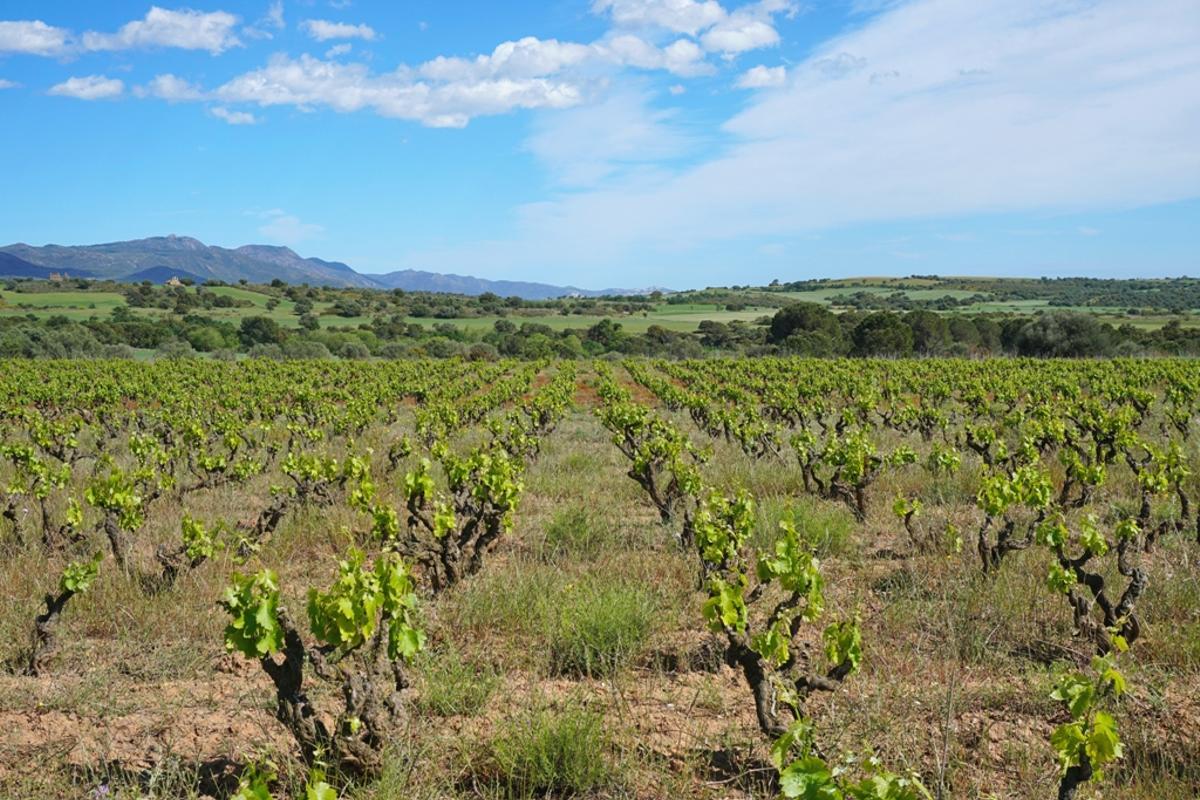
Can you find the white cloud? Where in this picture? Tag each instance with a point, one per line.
(1085, 230)
(324, 30)
(233, 117)
(274, 16)
(679, 16)
(272, 20)
(585, 145)
(185, 29)
(309, 82)
(529, 57)
(171, 88)
(527, 73)
(682, 57)
(6, 84)
(283, 228)
(762, 77)
(748, 27)
(739, 34)
(91, 87)
(32, 37)
(997, 106)
(677, 89)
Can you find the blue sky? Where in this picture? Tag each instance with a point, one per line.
(622, 143)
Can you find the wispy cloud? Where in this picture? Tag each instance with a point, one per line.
(762, 77)
(273, 20)
(585, 145)
(233, 117)
(274, 16)
(281, 227)
(171, 88)
(324, 30)
(90, 87)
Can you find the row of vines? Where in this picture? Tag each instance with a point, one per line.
(1089, 465)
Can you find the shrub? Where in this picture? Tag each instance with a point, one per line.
(354, 350)
(297, 349)
(441, 347)
(394, 351)
(830, 529)
(513, 600)
(548, 753)
(122, 351)
(272, 351)
(482, 351)
(599, 628)
(452, 686)
(175, 348)
(572, 531)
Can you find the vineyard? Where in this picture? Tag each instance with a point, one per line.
(731, 578)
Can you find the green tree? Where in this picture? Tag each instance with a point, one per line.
(1064, 334)
(930, 333)
(260, 330)
(204, 338)
(606, 333)
(883, 334)
(804, 318)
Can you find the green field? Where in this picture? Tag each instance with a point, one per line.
(81, 306)
(72, 305)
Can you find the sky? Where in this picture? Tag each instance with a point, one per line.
(616, 143)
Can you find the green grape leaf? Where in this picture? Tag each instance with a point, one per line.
(808, 779)
(843, 643)
(1068, 742)
(1103, 744)
(253, 603)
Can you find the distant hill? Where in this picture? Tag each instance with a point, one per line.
(412, 280)
(159, 258)
(182, 254)
(13, 267)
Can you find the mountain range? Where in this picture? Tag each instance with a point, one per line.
(160, 258)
